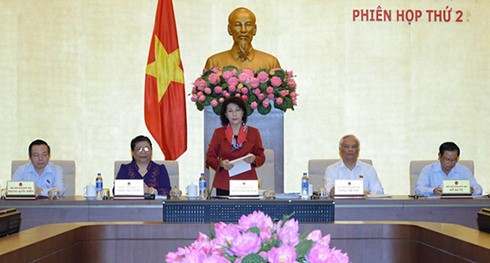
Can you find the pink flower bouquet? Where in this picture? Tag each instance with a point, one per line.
(260, 90)
(256, 238)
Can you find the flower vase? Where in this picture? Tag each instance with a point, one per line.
(271, 127)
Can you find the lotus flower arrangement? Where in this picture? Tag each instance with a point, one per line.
(256, 238)
(260, 90)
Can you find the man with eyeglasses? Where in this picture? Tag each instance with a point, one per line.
(46, 176)
(447, 168)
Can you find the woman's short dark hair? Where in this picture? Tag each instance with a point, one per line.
(235, 100)
(139, 138)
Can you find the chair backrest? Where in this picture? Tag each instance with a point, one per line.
(265, 173)
(417, 166)
(172, 169)
(317, 167)
(69, 173)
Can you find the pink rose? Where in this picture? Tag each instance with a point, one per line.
(244, 78)
(215, 69)
(244, 97)
(200, 83)
(284, 93)
(217, 89)
(270, 96)
(249, 72)
(279, 101)
(227, 75)
(269, 90)
(232, 88)
(293, 95)
(255, 83)
(194, 97)
(265, 103)
(202, 98)
(232, 81)
(256, 92)
(261, 96)
(244, 90)
(221, 99)
(207, 90)
(276, 81)
(289, 74)
(213, 78)
(254, 105)
(238, 95)
(291, 83)
(214, 103)
(263, 76)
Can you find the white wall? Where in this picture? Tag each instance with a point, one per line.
(72, 73)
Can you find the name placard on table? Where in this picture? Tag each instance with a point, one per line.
(345, 187)
(20, 190)
(456, 187)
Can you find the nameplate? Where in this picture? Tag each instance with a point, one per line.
(129, 189)
(244, 187)
(456, 187)
(349, 187)
(20, 190)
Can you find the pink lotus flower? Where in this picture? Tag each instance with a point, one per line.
(283, 254)
(246, 243)
(234, 242)
(276, 81)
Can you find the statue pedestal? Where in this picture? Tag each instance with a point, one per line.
(271, 127)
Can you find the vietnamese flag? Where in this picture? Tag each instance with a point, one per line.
(165, 112)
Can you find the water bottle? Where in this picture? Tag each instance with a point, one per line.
(203, 192)
(305, 185)
(98, 186)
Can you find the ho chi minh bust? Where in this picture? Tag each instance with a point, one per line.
(242, 27)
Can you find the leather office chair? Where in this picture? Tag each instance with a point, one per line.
(172, 169)
(417, 166)
(69, 172)
(317, 167)
(265, 173)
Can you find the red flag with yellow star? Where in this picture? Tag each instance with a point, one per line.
(165, 113)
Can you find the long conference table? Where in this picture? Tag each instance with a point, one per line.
(394, 208)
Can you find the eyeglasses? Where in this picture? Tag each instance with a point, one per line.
(143, 149)
(40, 155)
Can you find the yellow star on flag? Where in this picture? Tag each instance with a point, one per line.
(165, 68)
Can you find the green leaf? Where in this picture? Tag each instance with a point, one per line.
(303, 248)
(263, 110)
(253, 258)
(254, 230)
(217, 109)
(199, 106)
